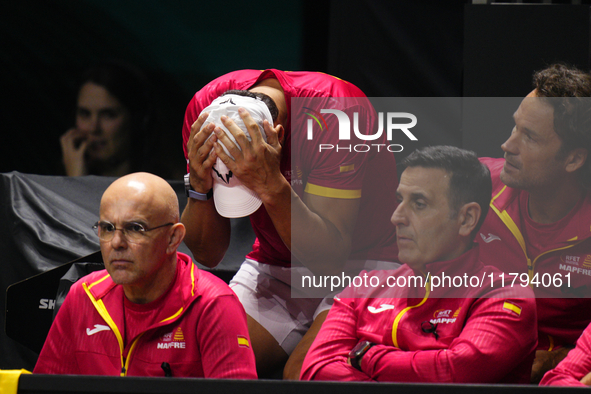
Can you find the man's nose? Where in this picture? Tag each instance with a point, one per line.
(510, 146)
(119, 241)
(398, 217)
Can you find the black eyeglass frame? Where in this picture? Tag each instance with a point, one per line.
(125, 231)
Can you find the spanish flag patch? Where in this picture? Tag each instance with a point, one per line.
(243, 341)
(512, 307)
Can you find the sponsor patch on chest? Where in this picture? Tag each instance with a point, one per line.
(445, 316)
(172, 340)
(577, 264)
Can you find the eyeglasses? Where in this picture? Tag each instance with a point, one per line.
(132, 231)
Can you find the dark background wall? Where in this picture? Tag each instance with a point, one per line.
(401, 48)
(180, 44)
(455, 48)
(503, 46)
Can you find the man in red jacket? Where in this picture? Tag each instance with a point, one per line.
(539, 223)
(324, 209)
(151, 312)
(575, 369)
(443, 316)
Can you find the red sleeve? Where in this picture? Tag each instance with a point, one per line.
(58, 355)
(223, 340)
(574, 367)
(200, 100)
(493, 342)
(327, 357)
(343, 166)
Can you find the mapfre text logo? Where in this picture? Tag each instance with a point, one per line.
(392, 125)
(444, 316)
(174, 339)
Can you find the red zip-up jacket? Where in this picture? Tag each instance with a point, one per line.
(202, 331)
(574, 367)
(340, 174)
(563, 311)
(485, 334)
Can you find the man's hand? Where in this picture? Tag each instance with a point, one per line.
(208, 233)
(586, 379)
(321, 226)
(545, 361)
(200, 155)
(74, 143)
(256, 163)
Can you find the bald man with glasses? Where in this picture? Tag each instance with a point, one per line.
(151, 312)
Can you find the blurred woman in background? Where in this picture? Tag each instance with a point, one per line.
(117, 128)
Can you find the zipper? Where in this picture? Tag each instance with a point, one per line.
(102, 310)
(125, 364)
(505, 218)
(403, 312)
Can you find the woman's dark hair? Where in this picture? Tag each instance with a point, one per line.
(127, 84)
(156, 144)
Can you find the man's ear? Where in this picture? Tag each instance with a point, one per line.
(468, 217)
(575, 159)
(176, 237)
(280, 134)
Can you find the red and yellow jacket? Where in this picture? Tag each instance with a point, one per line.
(201, 331)
(563, 311)
(574, 367)
(484, 334)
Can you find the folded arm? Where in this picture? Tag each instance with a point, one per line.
(493, 342)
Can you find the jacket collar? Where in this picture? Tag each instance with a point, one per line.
(184, 293)
(579, 227)
(467, 262)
